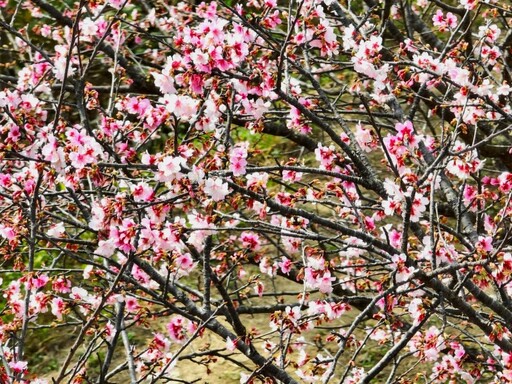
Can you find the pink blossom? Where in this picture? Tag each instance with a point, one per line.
(490, 32)
(489, 224)
(88, 29)
(484, 244)
(123, 235)
(230, 344)
(7, 232)
(292, 176)
(416, 310)
(365, 139)
(56, 230)
(165, 82)
(256, 108)
(131, 304)
(61, 285)
(106, 248)
(324, 284)
(250, 240)
(61, 66)
(57, 307)
(140, 275)
(14, 133)
(183, 107)
(291, 244)
(170, 168)
(142, 192)
(470, 196)
(490, 54)
(38, 282)
(325, 155)
(137, 105)
(380, 335)
(257, 180)
(18, 366)
(82, 157)
(402, 272)
(297, 122)
(117, 3)
(438, 18)
(267, 267)
(109, 331)
(273, 20)
(468, 4)
(395, 238)
(393, 204)
(237, 160)
(216, 189)
(177, 328)
(38, 303)
(317, 276)
(88, 271)
(161, 342)
(434, 343)
(259, 288)
(419, 205)
(406, 134)
(17, 306)
(465, 164)
(504, 89)
(458, 350)
(285, 265)
(80, 294)
(505, 182)
(299, 38)
(185, 263)
(444, 22)
(97, 215)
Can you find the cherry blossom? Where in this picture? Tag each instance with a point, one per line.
(282, 185)
(444, 21)
(238, 159)
(177, 329)
(216, 188)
